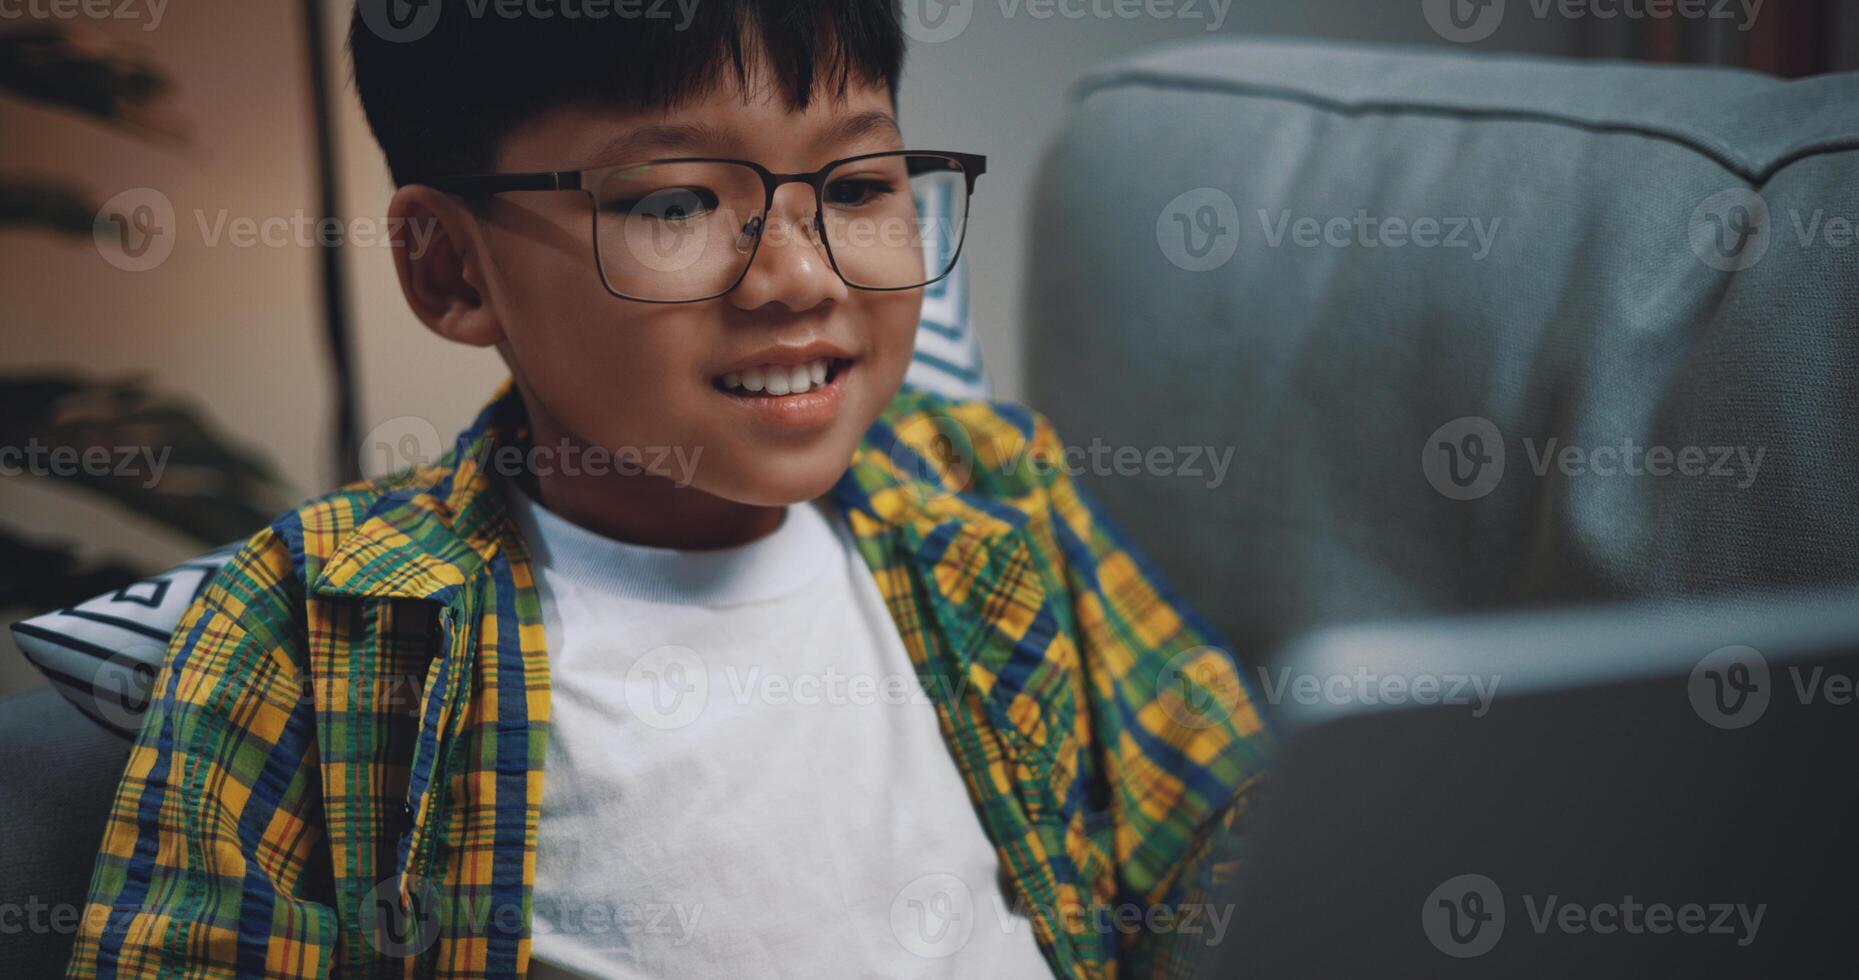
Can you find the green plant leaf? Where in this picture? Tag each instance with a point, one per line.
(48, 205)
(44, 64)
(153, 455)
(45, 577)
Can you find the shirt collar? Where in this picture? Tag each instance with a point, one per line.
(430, 529)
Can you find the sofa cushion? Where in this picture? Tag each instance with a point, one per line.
(58, 773)
(1374, 275)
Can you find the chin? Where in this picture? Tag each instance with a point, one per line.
(760, 491)
(766, 476)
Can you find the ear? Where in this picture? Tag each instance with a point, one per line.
(439, 253)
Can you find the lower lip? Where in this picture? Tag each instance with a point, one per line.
(808, 410)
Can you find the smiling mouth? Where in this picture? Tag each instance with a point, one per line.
(782, 380)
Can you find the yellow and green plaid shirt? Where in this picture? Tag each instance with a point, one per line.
(341, 768)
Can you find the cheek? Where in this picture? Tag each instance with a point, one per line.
(555, 313)
(613, 372)
(893, 318)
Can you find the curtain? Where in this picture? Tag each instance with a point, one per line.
(1787, 38)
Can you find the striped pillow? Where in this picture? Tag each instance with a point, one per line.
(102, 654)
(948, 358)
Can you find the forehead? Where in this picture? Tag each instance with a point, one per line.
(753, 122)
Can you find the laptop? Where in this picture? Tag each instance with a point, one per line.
(1653, 790)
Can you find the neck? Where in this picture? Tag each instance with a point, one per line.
(637, 508)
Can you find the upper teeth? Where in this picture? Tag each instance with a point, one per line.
(780, 379)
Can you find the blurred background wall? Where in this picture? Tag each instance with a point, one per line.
(237, 330)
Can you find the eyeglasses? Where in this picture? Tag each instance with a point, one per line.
(685, 229)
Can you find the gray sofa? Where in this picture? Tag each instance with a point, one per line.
(1600, 307)
(1175, 304)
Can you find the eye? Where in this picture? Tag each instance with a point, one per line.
(667, 204)
(857, 191)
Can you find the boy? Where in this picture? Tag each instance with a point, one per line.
(517, 714)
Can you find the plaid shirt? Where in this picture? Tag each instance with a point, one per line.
(341, 767)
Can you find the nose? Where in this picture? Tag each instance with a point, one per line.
(790, 270)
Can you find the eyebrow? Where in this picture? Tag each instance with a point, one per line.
(636, 143)
(860, 125)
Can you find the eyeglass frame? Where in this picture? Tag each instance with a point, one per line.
(973, 165)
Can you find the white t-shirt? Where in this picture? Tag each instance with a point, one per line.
(744, 775)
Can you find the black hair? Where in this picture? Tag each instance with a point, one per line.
(444, 81)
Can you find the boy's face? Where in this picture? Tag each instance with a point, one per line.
(625, 375)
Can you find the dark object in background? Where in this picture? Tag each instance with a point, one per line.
(150, 454)
(1649, 791)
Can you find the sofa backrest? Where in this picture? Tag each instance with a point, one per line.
(1479, 331)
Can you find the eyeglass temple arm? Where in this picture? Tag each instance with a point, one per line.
(481, 185)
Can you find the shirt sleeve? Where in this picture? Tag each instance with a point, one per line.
(210, 864)
(1181, 746)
